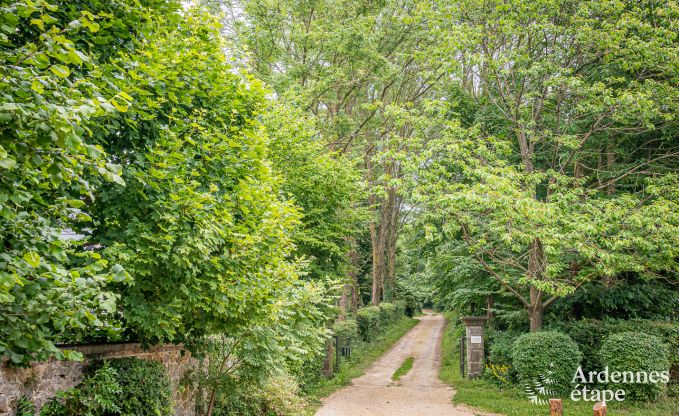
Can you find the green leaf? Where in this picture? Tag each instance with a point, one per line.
(60, 71)
(32, 258)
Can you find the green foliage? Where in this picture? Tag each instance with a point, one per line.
(196, 226)
(98, 395)
(145, 387)
(347, 328)
(543, 355)
(388, 313)
(368, 320)
(588, 333)
(278, 395)
(50, 166)
(24, 407)
(121, 386)
(326, 187)
(636, 351)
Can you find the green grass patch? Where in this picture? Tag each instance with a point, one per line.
(363, 354)
(512, 401)
(403, 369)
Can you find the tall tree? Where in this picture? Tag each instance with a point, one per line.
(569, 173)
(356, 65)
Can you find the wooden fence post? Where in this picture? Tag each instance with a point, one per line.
(555, 407)
(600, 409)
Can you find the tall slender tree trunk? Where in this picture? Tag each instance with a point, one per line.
(536, 266)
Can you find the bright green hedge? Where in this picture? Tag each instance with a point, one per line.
(368, 320)
(636, 352)
(387, 313)
(538, 356)
(346, 329)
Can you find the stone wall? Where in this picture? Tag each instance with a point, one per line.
(41, 381)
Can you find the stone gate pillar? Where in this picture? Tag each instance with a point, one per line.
(474, 333)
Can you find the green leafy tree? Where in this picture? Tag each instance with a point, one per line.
(49, 167)
(197, 225)
(567, 173)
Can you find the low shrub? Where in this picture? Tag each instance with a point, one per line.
(546, 357)
(146, 387)
(387, 313)
(589, 333)
(368, 320)
(636, 352)
(97, 395)
(276, 396)
(122, 386)
(346, 329)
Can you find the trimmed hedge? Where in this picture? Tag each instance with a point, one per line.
(346, 329)
(368, 320)
(372, 320)
(387, 313)
(636, 351)
(538, 356)
(589, 333)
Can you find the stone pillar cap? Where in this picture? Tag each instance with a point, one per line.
(474, 320)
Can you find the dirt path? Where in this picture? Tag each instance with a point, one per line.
(418, 393)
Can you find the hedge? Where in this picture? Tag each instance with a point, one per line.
(589, 334)
(636, 352)
(546, 355)
(387, 313)
(368, 320)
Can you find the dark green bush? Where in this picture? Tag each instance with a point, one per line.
(546, 355)
(401, 306)
(368, 320)
(387, 313)
(146, 387)
(122, 386)
(98, 395)
(589, 333)
(636, 351)
(346, 329)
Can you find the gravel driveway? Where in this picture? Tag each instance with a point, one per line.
(418, 393)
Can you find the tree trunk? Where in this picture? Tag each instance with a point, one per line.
(536, 266)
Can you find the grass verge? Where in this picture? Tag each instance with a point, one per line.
(362, 356)
(403, 369)
(511, 401)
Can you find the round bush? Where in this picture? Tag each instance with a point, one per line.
(635, 352)
(368, 319)
(387, 313)
(346, 329)
(546, 355)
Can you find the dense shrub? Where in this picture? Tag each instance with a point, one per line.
(588, 334)
(346, 329)
(96, 396)
(387, 313)
(636, 351)
(277, 396)
(401, 306)
(552, 355)
(368, 320)
(146, 388)
(123, 386)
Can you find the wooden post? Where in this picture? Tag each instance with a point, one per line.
(600, 409)
(555, 407)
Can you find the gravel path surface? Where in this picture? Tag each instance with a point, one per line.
(418, 393)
